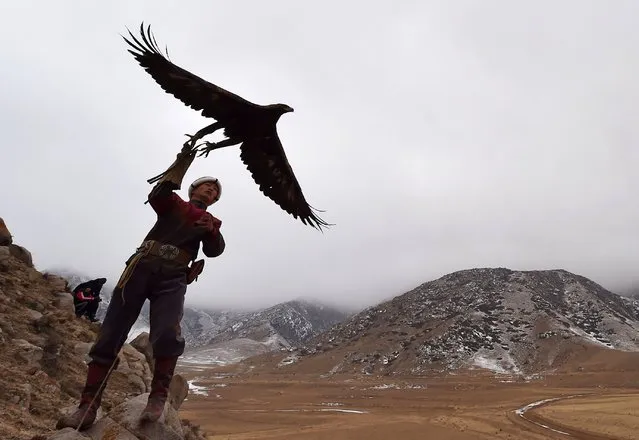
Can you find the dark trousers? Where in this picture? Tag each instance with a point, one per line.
(165, 290)
(88, 308)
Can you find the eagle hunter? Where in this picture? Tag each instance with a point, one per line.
(251, 125)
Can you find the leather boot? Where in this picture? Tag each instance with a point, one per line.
(90, 400)
(162, 375)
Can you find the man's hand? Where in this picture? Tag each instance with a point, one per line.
(185, 153)
(208, 223)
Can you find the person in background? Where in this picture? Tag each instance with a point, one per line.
(86, 298)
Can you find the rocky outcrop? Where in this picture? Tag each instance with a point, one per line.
(122, 422)
(143, 345)
(5, 236)
(43, 354)
(21, 254)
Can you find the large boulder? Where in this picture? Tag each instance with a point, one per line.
(30, 355)
(107, 428)
(64, 301)
(134, 369)
(142, 344)
(179, 387)
(21, 254)
(5, 236)
(178, 390)
(4, 258)
(123, 421)
(57, 282)
(64, 434)
(127, 415)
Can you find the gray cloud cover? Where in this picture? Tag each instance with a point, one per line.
(438, 136)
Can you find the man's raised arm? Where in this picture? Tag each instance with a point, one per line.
(162, 198)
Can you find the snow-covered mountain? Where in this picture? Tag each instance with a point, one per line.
(293, 323)
(200, 325)
(280, 327)
(498, 319)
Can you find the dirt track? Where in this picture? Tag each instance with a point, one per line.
(607, 416)
(455, 408)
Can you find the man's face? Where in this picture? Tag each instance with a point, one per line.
(205, 192)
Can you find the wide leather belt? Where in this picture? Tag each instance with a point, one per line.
(166, 251)
(152, 247)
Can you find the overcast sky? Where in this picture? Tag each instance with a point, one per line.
(437, 136)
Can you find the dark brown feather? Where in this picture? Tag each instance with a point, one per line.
(267, 162)
(195, 92)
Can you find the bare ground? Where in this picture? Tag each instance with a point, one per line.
(479, 406)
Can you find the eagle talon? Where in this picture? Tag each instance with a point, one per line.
(210, 146)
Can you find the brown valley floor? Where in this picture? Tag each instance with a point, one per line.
(298, 406)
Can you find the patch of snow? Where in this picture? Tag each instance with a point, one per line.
(352, 411)
(197, 389)
(225, 353)
(397, 387)
(288, 360)
(385, 387)
(589, 337)
(504, 366)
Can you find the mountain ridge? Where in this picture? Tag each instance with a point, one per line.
(507, 321)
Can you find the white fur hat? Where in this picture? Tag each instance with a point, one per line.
(204, 179)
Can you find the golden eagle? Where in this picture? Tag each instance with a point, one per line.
(251, 125)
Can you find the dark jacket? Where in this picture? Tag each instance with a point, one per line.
(175, 225)
(79, 293)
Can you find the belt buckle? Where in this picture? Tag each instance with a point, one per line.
(168, 251)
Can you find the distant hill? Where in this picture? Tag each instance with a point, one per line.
(518, 322)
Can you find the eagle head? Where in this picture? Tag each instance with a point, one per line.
(283, 108)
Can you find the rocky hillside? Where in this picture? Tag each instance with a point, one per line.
(495, 319)
(43, 349)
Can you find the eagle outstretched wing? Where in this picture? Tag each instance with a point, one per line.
(261, 150)
(195, 92)
(266, 160)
